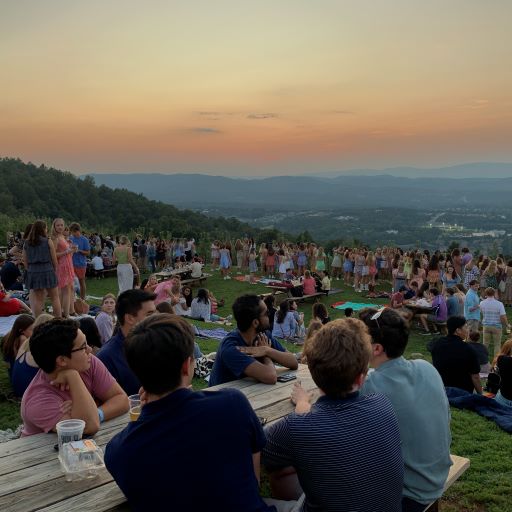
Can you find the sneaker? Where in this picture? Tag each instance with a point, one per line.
(228, 277)
(426, 333)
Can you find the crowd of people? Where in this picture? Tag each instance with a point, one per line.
(139, 342)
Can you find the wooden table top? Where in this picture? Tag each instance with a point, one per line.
(31, 478)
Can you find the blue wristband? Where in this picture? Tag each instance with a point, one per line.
(101, 415)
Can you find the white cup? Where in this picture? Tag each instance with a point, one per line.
(69, 430)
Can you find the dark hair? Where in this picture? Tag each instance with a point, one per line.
(246, 308)
(473, 282)
(144, 283)
(51, 340)
(349, 312)
(320, 311)
(455, 322)
(156, 349)
(202, 295)
(165, 307)
(450, 291)
(189, 297)
(11, 343)
(434, 292)
(74, 226)
(389, 330)
(269, 301)
(36, 232)
(284, 307)
(90, 329)
(130, 302)
(474, 336)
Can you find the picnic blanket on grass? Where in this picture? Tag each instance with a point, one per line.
(214, 334)
(356, 306)
(6, 323)
(486, 407)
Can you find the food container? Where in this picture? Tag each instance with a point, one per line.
(81, 459)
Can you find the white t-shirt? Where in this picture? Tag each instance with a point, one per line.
(197, 269)
(181, 308)
(97, 263)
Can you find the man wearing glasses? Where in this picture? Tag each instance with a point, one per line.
(70, 382)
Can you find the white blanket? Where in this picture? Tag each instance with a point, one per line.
(6, 323)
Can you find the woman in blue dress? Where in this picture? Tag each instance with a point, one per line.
(302, 259)
(225, 261)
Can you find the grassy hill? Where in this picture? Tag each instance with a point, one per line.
(30, 192)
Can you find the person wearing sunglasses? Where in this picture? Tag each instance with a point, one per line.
(417, 394)
(70, 382)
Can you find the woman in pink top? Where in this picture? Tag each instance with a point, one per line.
(309, 283)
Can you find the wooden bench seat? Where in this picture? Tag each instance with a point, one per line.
(192, 281)
(303, 298)
(459, 467)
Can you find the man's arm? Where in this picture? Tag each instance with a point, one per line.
(115, 402)
(83, 406)
(475, 377)
(504, 322)
(263, 371)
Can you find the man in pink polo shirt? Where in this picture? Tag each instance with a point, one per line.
(70, 382)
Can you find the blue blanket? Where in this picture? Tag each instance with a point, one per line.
(214, 334)
(486, 407)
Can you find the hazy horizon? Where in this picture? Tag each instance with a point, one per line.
(242, 89)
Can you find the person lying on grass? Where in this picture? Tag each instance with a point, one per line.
(70, 382)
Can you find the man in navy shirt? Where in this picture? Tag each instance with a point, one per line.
(250, 351)
(9, 273)
(132, 306)
(155, 459)
(345, 449)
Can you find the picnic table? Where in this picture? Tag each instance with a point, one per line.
(31, 478)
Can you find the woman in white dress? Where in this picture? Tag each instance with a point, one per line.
(125, 264)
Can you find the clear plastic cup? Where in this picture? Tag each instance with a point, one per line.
(135, 407)
(69, 430)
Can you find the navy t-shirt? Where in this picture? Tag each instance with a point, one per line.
(113, 357)
(191, 450)
(230, 363)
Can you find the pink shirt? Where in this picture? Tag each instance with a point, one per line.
(41, 403)
(162, 291)
(309, 285)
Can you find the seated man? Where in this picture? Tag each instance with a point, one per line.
(70, 382)
(179, 428)
(397, 299)
(10, 274)
(454, 359)
(132, 306)
(417, 393)
(345, 449)
(439, 315)
(196, 268)
(250, 350)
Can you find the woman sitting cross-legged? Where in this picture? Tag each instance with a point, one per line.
(201, 308)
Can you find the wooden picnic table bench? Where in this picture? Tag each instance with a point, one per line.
(459, 467)
(31, 477)
(192, 281)
(304, 298)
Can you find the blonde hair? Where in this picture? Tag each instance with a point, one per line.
(506, 350)
(337, 354)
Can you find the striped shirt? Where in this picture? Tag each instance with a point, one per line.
(492, 310)
(346, 452)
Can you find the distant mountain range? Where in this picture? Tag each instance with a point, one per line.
(299, 192)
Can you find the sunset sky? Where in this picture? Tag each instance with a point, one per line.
(249, 88)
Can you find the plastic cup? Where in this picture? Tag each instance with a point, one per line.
(69, 430)
(135, 407)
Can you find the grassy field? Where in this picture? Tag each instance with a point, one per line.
(485, 487)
